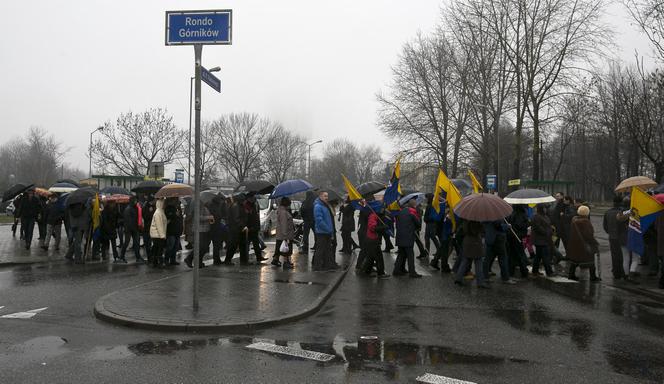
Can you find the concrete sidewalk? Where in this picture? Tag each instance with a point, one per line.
(232, 298)
(13, 252)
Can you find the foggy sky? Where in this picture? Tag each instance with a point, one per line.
(70, 66)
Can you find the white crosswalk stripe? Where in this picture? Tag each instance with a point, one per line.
(430, 378)
(291, 351)
(23, 315)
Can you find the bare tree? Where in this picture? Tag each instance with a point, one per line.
(285, 150)
(209, 160)
(649, 15)
(134, 140)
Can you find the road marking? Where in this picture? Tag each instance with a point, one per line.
(560, 279)
(303, 353)
(436, 379)
(23, 315)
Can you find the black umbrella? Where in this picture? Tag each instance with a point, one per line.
(207, 196)
(69, 181)
(114, 191)
(370, 188)
(80, 196)
(148, 186)
(259, 187)
(15, 190)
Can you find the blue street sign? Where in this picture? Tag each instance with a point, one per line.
(198, 27)
(179, 176)
(210, 79)
(491, 182)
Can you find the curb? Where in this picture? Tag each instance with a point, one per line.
(640, 291)
(102, 313)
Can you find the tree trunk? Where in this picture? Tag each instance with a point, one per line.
(536, 143)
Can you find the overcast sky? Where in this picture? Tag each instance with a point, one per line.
(69, 66)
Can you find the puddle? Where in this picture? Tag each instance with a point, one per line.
(110, 353)
(640, 311)
(41, 348)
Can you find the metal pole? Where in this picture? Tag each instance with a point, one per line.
(309, 162)
(191, 89)
(90, 154)
(198, 50)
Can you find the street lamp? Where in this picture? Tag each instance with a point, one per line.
(191, 91)
(100, 128)
(309, 157)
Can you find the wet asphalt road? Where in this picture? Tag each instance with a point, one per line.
(535, 331)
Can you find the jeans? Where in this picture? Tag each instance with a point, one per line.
(254, 241)
(75, 250)
(542, 253)
(157, 250)
(497, 249)
(135, 239)
(235, 241)
(54, 230)
(171, 248)
(28, 225)
(465, 264)
(430, 236)
(147, 243)
(616, 259)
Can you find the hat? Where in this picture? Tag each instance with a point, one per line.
(583, 211)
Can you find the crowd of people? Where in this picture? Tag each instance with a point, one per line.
(530, 236)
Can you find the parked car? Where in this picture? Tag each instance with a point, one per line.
(268, 214)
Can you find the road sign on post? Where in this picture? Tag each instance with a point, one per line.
(198, 28)
(491, 182)
(210, 79)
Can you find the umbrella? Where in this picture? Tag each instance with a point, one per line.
(115, 191)
(207, 196)
(43, 192)
(370, 188)
(118, 198)
(482, 207)
(659, 189)
(69, 181)
(529, 196)
(635, 181)
(419, 196)
(259, 187)
(290, 187)
(332, 195)
(15, 190)
(464, 187)
(660, 198)
(174, 190)
(80, 195)
(148, 186)
(62, 187)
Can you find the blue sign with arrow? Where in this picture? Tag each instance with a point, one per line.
(210, 79)
(198, 27)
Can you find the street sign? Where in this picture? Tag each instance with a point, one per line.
(156, 169)
(491, 182)
(199, 27)
(179, 176)
(514, 182)
(210, 79)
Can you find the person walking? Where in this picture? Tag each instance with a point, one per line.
(615, 225)
(582, 244)
(254, 227)
(109, 231)
(347, 227)
(495, 239)
(53, 217)
(217, 208)
(41, 220)
(445, 236)
(307, 215)
(147, 210)
(473, 251)
(432, 221)
(285, 234)
(362, 224)
(158, 233)
(542, 233)
(325, 232)
(237, 231)
(30, 212)
(517, 256)
(374, 257)
(133, 229)
(407, 224)
(568, 211)
(79, 224)
(174, 229)
(205, 220)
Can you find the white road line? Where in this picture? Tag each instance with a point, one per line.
(23, 315)
(303, 353)
(436, 379)
(560, 279)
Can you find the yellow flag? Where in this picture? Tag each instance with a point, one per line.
(477, 187)
(440, 182)
(353, 194)
(96, 216)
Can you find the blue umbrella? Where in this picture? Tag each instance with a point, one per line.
(419, 196)
(290, 187)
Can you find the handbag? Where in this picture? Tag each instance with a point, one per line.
(283, 248)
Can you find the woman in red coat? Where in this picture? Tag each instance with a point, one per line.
(582, 244)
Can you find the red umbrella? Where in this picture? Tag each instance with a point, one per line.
(482, 207)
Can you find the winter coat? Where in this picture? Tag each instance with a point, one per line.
(31, 208)
(493, 230)
(541, 230)
(408, 223)
(348, 218)
(323, 222)
(217, 209)
(615, 225)
(109, 222)
(130, 217)
(53, 214)
(253, 215)
(237, 218)
(568, 212)
(581, 234)
(472, 245)
(362, 223)
(375, 228)
(175, 224)
(285, 225)
(148, 212)
(307, 208)
(520, 222)
(79, 216)
(159, 222)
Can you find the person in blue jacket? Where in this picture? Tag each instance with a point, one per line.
(325, 232)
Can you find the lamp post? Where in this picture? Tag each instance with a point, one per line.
(100, 128)
(191, 91)
(309, 157)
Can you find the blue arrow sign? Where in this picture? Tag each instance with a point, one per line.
(210, 79)
(198, 27)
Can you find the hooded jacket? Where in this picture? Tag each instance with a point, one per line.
(159, 222)
(323, 223)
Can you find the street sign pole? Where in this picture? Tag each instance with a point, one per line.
(198, 50)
